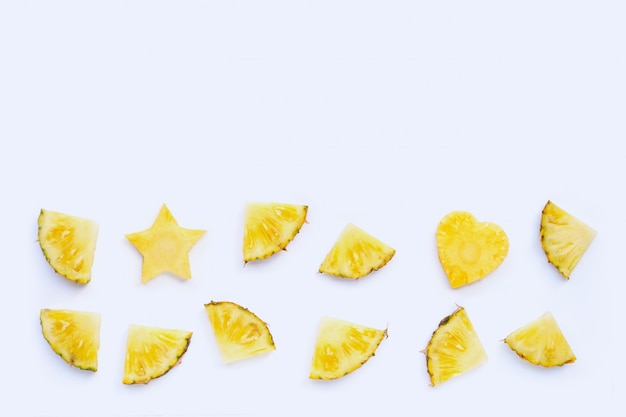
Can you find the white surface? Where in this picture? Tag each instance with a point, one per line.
(385, 114)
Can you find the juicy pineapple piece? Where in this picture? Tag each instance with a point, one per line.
(73, 335)
(355, 254)
(541, 342)
(68, 244)
(152, 351)
(165, 247)
(269, 227)
(239, 333)
(342, 347)
(564, 238)
(454, 348)
(469, 250)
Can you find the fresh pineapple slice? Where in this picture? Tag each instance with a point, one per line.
(541, 342)
(342, 347)
(152, 351)
(454, 348)
(165, 247)
(73, 335)
(269, 227)
(564, 238)
(239, 333)
(68, 244)
(469, 250)
(355, 254)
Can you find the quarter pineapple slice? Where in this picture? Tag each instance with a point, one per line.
(269, 227)
(68, 244)
(469, 250)
(454, 348)
(73, 335)
(342, 347)
(541, 342)
(564, 238)
(355, 254)
(239, 333)
(151, 352)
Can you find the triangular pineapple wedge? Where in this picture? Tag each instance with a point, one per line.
(151, 352)
(355, 254)
(73, 335)
(239, 333)
(469, 250)
(269, 227)
(454, 348)
(564, 238)
(541, 342)
(342, 347)
(68, 244)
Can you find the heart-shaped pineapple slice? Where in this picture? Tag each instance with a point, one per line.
(469, 250)
(541, 342)
(355, 254)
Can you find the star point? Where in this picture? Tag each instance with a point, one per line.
(165, 247)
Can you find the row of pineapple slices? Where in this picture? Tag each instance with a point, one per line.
(468, 251)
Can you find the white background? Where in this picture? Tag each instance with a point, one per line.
(386, 114)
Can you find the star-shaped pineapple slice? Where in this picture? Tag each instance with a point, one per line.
(165, 247)
(564, 238)
(343, 347)
(469, 250)
(355, 254)
(73, 335)
(68, 244)
(270, 227)
(151, 352)
(239, 333)
(541, 342)
(454, 348)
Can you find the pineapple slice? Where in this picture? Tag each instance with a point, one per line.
(469, 250)
(564, 238)
(68, 244)
(152, 351)
(239, 333)
(269, 227)
(541, 342)
(454, 348)
(342, 347)
(165, 247)
(355, 254)
(73, 335)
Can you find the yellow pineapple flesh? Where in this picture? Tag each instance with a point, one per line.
(342, 347)
(469, 250)
(564, 238)
(73, 335)
(454, 348)
(68, 244)
(239, 333)
(541, 342)
(151, 352)
(270, 227)
(355, 254)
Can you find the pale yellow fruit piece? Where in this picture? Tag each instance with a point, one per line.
(73, 335)
(355, 254)
(270, 227)
(564, 238)
(68, 244)
(454, 348)
(342, 347)
(151, 352)
(541, 342)
(239, 333)
(165, 247)
(469, 250)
